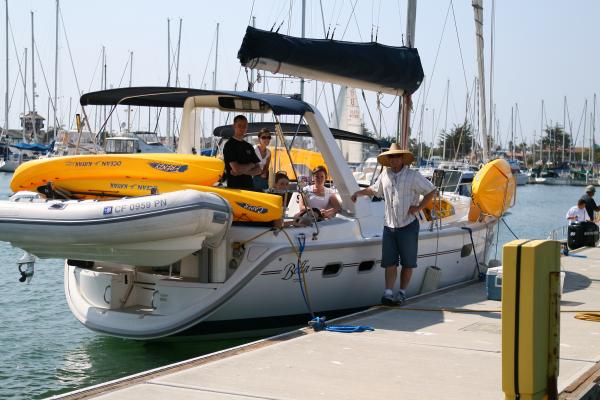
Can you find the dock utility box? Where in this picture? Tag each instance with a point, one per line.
(582, 234)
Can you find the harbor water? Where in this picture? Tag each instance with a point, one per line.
(45, 351)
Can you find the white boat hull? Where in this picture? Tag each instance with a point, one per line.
(151, 230)
(263, 290)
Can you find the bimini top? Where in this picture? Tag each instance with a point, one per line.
(372, 66)
(226, 131)
(175, 97)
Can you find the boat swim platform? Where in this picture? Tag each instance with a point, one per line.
(426, 349)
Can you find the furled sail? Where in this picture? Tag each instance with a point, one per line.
(372, 66)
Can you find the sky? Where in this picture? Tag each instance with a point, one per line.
(543, 50)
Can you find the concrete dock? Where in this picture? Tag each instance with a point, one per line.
(443, 345)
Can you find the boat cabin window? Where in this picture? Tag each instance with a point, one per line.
(148, 137)
(121, 146)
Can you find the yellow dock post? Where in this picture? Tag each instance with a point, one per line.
(530, 319)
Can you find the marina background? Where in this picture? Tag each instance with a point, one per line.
(46, 351)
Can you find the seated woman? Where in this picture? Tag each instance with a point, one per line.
(319, 197)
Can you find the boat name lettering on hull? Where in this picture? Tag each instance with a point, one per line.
(141, 205)
(290, 271)
(108, 163)
(85, 164)
(164, 167)
(250, 207)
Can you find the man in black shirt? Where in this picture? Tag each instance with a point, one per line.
(590, 203)
(241, 161)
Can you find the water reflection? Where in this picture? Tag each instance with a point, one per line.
(105, 358)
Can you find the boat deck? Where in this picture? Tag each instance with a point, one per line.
(416, 352)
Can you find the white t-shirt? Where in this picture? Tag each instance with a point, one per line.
(580, 214)
(315, 201)
(262, 161)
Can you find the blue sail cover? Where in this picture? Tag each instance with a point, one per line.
(374, 64)
(42, 148)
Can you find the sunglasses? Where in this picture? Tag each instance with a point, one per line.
(395, 156)
(266, 137)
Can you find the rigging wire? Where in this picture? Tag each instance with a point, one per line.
(19, 63)
(462, 60)
(70, 54)
(349, 18)
(45, 80)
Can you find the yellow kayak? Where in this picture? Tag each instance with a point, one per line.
(166, 167)
(246, 205)
(494, 188)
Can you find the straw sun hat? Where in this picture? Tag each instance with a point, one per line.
(384, 160)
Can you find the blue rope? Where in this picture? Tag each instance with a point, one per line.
(301, 246)
(318, 323)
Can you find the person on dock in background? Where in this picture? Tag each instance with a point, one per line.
(241, 162)
(590, 203)
(578, 213)
(400, 187)
(261, 181)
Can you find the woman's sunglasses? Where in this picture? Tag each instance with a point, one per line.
(265, 137)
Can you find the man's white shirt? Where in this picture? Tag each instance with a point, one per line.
(401, 190)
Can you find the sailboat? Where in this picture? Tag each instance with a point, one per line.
(259, 276)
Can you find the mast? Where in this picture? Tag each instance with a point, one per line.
(214, 85)
(542, 134)
(406, 105)
(303, 35)
(130, 81)
(7, 82)
(478, 11)
(177, 76)
(55, 70)
(168, 133)
(33, 121)
(512, 134)
(564, 128)
(24, 82)
(446, 121)
(584, 129)
(593, 134)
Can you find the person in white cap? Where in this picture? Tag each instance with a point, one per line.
(590, 203)
(400, 188)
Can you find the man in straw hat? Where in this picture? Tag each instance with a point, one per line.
(400, 187)
(590, 203)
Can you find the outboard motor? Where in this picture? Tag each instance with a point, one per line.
(584, 233)
(26, 267)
